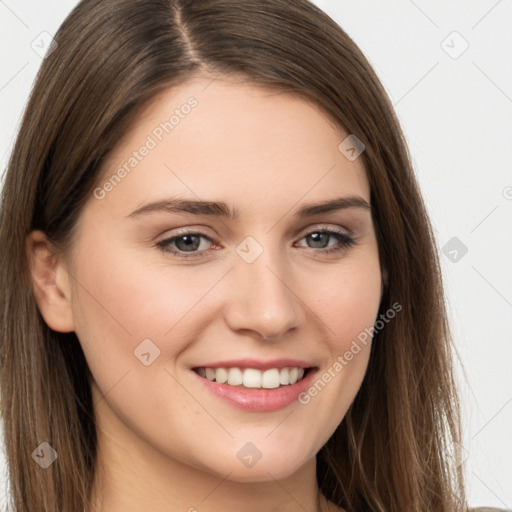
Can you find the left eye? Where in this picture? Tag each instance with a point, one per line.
(344, 240)
(187, 244)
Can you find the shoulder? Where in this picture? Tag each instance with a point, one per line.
(489, 509)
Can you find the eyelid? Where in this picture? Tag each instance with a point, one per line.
(347, 240)
(184, 232)
(326, 227)
(305, 231)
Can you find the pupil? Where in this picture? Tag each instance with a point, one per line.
(317, 237)
(190, 243)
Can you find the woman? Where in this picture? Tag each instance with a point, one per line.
(221, 288)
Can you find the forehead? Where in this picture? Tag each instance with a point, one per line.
(222, 139)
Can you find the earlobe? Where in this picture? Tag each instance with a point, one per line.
(50, 282)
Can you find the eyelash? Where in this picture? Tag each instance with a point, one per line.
(345, 240)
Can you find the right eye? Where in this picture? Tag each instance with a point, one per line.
(184, 245)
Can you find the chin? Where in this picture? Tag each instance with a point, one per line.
(262, 473)
(274, 466)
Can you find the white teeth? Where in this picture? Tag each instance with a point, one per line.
(294, 374)
(235, 377)
(270, 379)
(221, 375)
(253, 378)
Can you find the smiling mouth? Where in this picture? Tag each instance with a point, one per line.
(252, 378)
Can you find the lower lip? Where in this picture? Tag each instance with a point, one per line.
(259, 400)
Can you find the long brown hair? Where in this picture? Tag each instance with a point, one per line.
(390, 453)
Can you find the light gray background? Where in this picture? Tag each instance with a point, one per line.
(456, 110)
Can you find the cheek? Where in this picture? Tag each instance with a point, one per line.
(347, 300)
(124, 295)
(348, 307)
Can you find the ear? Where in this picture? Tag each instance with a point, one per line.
(50, 282)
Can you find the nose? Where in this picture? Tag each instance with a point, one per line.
(262, 301)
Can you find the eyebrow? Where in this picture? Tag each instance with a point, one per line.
(221, 209)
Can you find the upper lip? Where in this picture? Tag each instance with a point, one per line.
(258, 364)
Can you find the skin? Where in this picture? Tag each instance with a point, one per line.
(165, 443)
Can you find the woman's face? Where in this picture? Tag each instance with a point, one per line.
(161, 295)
